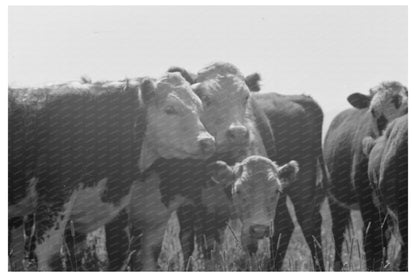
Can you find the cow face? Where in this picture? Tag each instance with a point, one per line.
(386, 102)
(255, 185)
(173, 129)
(225, 94)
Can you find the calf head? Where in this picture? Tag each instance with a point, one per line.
(173, 129)
(385, 102)
(255, 185)
(225, 95)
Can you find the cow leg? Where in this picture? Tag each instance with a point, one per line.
(117, 241)
(283, 229)
(186, 218)
(372, 230)
(310, 222)
(340, 220)
(50, 241)
(16, 244)
(403, 228)
(149, 216)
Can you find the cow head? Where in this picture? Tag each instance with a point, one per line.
(386, 102)
(255, 184)
(225, 95)
(173, 129)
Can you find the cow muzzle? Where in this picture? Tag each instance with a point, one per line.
(259, 231)
(207, 145)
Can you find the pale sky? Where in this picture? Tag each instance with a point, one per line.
(326, 52)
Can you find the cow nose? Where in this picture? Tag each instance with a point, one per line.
(238, 134)
(207, 145)
(260, 231)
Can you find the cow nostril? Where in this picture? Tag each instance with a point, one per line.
(207, 145)
(238, 134)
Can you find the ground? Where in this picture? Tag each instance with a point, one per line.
(297, 258)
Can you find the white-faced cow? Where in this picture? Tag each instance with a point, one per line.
(388, 175)
(252, 189)
(347, 165)
(290, 127)
(83, 142)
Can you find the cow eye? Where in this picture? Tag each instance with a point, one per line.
(396, 101)
(170, 110)
(206, 100)
(246, 98)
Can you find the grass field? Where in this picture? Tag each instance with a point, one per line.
(298, 257)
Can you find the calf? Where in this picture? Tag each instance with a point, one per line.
(388, 175)
(252, 189)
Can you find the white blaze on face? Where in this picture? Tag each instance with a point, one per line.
(173, 129)
(389, 100)
(224, 95)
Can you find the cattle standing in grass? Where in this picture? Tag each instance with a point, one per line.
(290, 127)
(388, 175)
(347, 165)
(253, 188)
(240, 129)
(85, 144)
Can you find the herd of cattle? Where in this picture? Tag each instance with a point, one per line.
(126, 154)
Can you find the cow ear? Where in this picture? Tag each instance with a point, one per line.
(220, 173)
(253, 82)
(147, 90)
(368, 144)
(189, 77)
(359, 100)
(287, 173)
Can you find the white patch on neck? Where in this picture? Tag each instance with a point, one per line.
(90, 212)
(52, 239)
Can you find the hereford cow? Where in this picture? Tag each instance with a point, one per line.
(347, 165)
(387, 172)
(253, 189)
(83, 144)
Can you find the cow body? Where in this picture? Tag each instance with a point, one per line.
(296, 122)
(347, 165)
(388, 175)
(88, 142)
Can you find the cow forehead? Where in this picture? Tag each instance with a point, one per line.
(226, 87)
(386, 90)
(258, 163)
(218, 69)
(173, 86)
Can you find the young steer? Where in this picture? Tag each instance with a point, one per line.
(253, 188)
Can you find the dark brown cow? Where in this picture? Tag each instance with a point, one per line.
(388, 175)
(296, 121)
(83, 143)
(347, 165)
